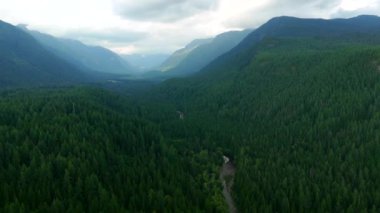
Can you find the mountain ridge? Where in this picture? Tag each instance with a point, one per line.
(365, 29)
(24, 62)
(94, 58)
(201, 55)
(179, 55)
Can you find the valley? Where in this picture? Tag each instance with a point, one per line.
(283, 118)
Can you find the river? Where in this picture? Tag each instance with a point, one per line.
(227, 175)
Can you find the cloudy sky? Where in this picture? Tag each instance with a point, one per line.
(162, 26)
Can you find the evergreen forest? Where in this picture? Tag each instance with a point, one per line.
(297, 114)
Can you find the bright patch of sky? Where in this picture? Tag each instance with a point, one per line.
(352, 5)
(162, 26)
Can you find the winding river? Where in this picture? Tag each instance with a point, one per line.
(227, 175)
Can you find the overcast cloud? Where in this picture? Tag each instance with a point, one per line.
(162, 26)
(161, 10)
(107, 35)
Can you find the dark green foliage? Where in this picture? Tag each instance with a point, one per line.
(301, 123)
(88, 150)
(299, 115)
(311, 139)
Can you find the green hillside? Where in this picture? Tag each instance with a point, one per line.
(295, 106)
(298, 114)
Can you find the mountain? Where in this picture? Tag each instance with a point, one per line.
(361, 29)
(295, 108)
(198, 56)
(145, 62)
(300, 38)
(24, 62)
(348, 29)
(296, 105)
(178, 56)
(93, 58)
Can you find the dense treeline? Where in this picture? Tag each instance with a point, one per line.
(301, 121)
(298, 116)
(313, 138)
(86, 150)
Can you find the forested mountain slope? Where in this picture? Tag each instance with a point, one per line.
(297, 105)
(24, 62)
(361, 29)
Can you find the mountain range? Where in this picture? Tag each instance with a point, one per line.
(96, 62)
(363, 29)
(91, 58)
(25, 62)
(76, 57)
(294, 107)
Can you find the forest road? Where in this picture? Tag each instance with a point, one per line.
(227, 175)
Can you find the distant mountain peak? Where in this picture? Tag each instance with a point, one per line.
(288, 26)
(200, 52)
(366, 17)
(23, 26)
(198, 42)
(287, 19)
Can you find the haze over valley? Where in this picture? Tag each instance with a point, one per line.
(190, 106)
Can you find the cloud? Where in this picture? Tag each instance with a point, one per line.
(161, 10)
(162, 26)
(350, 8)
(352, 13)
(167, 38)
(110, 35)
(255, 16)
